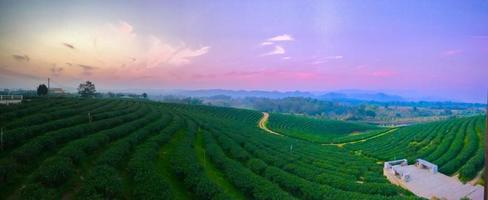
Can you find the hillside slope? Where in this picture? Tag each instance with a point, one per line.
(457, 146)
(92, 149)
(315, 130)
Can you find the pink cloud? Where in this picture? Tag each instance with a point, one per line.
(277, 50)
(118, 45)
(383, 73)
(125, 27)
(264, 75)
(306, 75)
(481, 37)
(266, 43)
(452, 52)
(284, 37)
(164, 53)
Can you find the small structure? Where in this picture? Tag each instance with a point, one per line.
(11, 99)
(390, 164)
(56, 91)
(423, 180)
(394, 167)
(420, 163)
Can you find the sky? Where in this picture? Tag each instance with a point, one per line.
(431, 49)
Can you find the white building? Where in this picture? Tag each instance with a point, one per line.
(11, 99)
(56, 91)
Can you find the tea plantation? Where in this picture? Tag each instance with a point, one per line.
(70, 148)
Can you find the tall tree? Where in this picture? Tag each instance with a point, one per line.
(87, 89)
(42, 90)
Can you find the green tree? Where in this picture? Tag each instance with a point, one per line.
(87, 89)
(370, 113)
(144, 95)
(42, 90)
(111, 94)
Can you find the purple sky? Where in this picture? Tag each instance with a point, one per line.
(436, 49)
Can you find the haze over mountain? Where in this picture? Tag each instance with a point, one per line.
(338, 95)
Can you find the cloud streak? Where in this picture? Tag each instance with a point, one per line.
(383, 73)
(8, 73)
(452, 52)
(56, 71)
(284, 37)
(68, 45)
(160, 53)
(183, 56)
(278, 50)
(21, 58)
(333, 57)
(264, 75)
(326, 59)
(87, 69)
(141, 51)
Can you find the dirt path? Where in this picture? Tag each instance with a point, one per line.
(361, 140)
(476, 179)
(262, 124)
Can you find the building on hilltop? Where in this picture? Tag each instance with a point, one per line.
(423, 164)
(423, 179)
(11, 99)
(394, 168)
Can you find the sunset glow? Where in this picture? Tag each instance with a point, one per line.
(430, 49)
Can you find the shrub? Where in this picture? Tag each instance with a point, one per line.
(55, 171)
(103, 182)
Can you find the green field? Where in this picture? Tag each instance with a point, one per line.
(457, 146)
(319, 130)
(122, 149)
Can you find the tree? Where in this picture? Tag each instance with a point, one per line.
(144, 95)
(370, 113)
(87, 89)
(42, 90)
(111, 94)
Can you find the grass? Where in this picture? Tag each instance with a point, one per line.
(164, 166)
(81, 172)
(212, 172)
(315, 130)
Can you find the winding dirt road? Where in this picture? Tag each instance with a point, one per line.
(264, 120)
(362, 140)
(262, 124)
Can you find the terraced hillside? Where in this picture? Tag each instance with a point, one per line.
(457, 146)
(121, 149)
(317, 130)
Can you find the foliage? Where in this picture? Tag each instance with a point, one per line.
(53, 150)
(455, 145)
(42, 90)
(104, 183)
(315, 130)
(87, 89)
(55, 171)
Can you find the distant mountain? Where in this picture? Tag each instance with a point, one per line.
(348, 96)
(343, 95)
(240, 93)
(362, 96)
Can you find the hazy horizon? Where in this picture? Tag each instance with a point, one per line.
(407, 96)
(434, 49)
